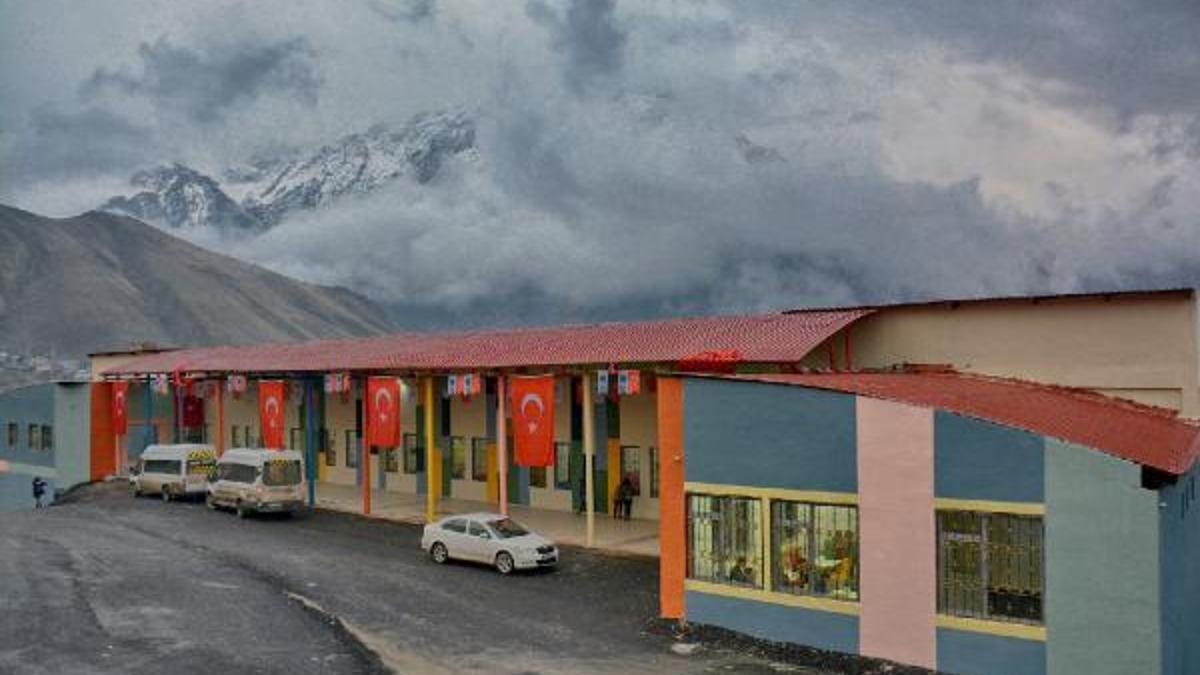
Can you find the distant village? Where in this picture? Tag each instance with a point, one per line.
(18, 369)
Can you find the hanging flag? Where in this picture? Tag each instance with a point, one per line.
(383, 409)
(193, 411)
(602, 383)
(120, 407)
(533, 420)
(236, 384)
(451, 385)
(629, 382)
(161, 385)
(270, 412)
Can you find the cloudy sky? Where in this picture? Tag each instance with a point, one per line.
(643, 158)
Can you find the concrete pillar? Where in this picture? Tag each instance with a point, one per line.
(589, 456)
(433, 479)
(502, 441)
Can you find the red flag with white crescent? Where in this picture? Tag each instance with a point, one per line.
(271, 412)
(120, 407)
(383, 409)
(533, 420)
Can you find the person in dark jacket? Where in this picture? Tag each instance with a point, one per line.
(39, 491)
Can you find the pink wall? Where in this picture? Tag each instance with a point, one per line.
(896, 524)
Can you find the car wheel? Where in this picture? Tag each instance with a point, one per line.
(439, 553)
(504, 562)
(166, 494)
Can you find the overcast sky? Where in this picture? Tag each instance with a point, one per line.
(641, 158)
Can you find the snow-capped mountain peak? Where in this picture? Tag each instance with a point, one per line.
(176, 196)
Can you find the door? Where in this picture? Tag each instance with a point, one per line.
(454, 535)
(479, 542)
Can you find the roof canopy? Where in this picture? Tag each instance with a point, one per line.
(1147, 435)
(763, 338)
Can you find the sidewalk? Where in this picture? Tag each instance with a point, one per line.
(637, 537)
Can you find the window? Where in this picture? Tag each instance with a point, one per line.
(237, 473)
(814, 549)
(725, 540)
(476, 530)
(391, 460)
(235, 437)
(330, 447)
(35, 436)
(414, 454)
(537, 476)
(249, 436)
(47, 437)
(631, 467)
(170, 467)
(479, 459)
(13, 432)
(990, 566)
(458, 457)
(352, 450)
(455, 525)
(562, 466)
(654, 473)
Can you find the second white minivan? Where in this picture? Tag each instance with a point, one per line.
(256, 480)
(173, 471)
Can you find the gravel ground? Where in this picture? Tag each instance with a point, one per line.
(106, 583)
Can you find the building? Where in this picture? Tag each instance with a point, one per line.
(907, 432)
(43, 432)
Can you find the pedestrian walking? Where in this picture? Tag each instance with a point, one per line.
(39, 491)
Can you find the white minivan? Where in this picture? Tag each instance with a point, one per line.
(256, 480)
(173, 471)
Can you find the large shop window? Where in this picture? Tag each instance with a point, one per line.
(725, 540)
(12, 434)
(815, 549)
(479, 452)
(458, 457)
(990, 566)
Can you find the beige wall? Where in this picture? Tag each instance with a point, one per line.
(1142, 347)
(468, 419)
(639, 426)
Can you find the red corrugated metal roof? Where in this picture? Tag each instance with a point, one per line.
(1147, 435)
(763, 338)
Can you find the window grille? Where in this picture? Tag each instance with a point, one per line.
(725, 540)
(990, 566)
(814, 549)
(562, 466)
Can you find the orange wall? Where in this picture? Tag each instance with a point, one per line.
(103, 443)
(672, 527)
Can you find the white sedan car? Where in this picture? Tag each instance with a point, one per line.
(488, 538)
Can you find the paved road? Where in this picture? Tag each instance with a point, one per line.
(111, 584)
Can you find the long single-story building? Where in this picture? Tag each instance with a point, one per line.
(909, 482)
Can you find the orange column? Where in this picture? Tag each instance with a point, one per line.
(102, 437)
(366, 449)
(672, 524)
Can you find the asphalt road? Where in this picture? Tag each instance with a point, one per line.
(111, 584)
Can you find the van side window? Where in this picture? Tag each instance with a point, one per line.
(237, 473)
(167, 466)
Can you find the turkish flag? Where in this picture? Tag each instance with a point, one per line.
(270, 412)
(120, 407)
(383, 410)
(533, 420)
(193, 411)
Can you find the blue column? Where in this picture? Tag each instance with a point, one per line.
(310, 442)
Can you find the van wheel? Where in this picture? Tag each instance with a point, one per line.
(166, 494)
(504, 562)
(210, 503)
(439, 553)
(241, 511)
(137, 490)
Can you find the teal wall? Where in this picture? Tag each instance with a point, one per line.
(1180, 522)
(974, 459)
(767, 435)
(25, 406)
(1102, 565)
(72, 433)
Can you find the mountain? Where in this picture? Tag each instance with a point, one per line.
(177, 196)
(257, 195)
(102, 281)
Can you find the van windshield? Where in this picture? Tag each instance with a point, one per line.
(281, 472)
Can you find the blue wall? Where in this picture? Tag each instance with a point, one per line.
(780, 623)
(749, 433)
(969, 653)
(974, 459)
(1180, 526)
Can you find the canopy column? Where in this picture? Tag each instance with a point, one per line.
(589, 458)
(433, 477)
(366, 449)
(502, 442)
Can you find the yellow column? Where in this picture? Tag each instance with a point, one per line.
(589, 458)
(433, 478)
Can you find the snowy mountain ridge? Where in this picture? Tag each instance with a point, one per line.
(269, 188)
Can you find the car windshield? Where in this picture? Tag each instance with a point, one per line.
(508, 528)
(281, 472)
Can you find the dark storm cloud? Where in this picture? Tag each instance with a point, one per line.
(79, 142)
(204, 85)
(407, 11)
(587, 33)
